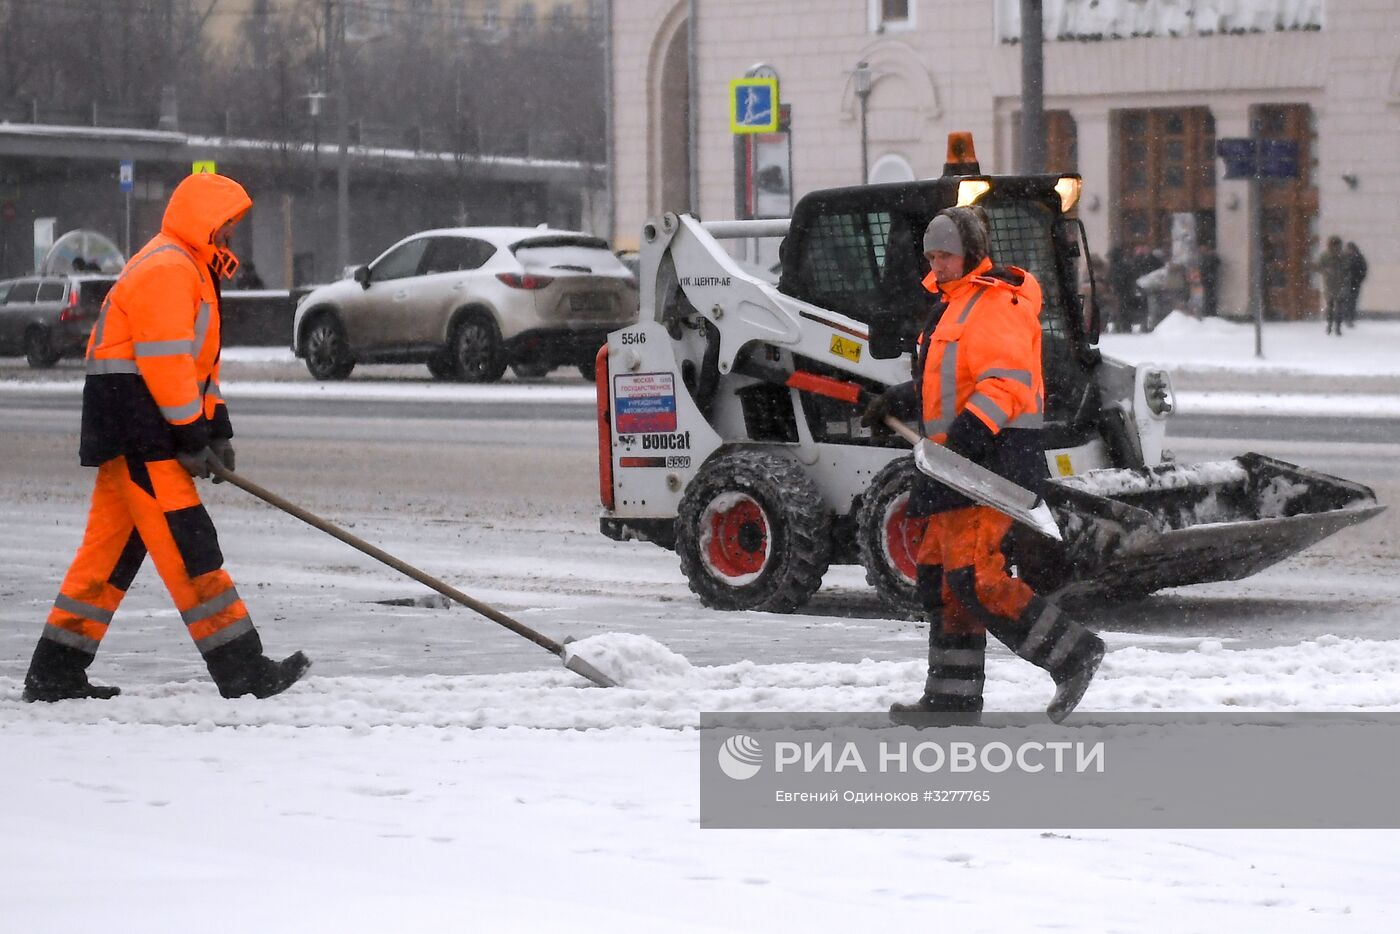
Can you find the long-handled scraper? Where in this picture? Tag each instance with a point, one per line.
(571, 661)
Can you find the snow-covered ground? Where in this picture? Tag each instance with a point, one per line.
(435, 773)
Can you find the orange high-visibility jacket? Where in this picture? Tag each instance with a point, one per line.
(984, 359)
(152, 383)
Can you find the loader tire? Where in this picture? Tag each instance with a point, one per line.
(753, 533)
(888, 540)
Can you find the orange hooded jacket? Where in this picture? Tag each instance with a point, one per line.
(152, 385)
(979, 375)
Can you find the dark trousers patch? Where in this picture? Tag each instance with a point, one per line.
(128, 562)
(140, 476)
(196, 539)
(929, 584)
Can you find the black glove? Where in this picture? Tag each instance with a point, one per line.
(970, 437)
(197, 462)
(222, 449)
(898, 401)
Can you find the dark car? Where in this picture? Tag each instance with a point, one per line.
(47, 318)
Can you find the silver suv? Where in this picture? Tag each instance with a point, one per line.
(47, 318)
(468, 302)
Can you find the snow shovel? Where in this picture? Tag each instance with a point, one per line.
(571, 661)
(978, 483)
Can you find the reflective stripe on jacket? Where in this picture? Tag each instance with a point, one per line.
(984, 357)
(152, 385)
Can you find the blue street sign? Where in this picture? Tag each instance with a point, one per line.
(127, 174)
(1246, 157)
(1278, 158)
(753, 105)
(1240, 155)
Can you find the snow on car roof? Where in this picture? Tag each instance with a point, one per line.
(502, 236)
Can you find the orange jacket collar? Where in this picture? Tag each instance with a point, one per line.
(951, 287)
(199, 206)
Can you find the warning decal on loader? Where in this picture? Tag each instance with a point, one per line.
(845, 348)
(645, 402)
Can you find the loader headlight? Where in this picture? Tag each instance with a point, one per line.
(970, 189)
(1068, 188)
(1157, 386)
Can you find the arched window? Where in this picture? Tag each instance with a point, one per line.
(891, 168)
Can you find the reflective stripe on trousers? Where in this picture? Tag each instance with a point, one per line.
(138, 509)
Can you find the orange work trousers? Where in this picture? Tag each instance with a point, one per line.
(966, 543)
(139, 508)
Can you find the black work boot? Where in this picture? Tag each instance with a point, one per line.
(1072, 681)
(927, 712)
(58, 672)
(953, 692)
(240, 668)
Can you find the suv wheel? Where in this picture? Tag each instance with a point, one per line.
(39, 349)
(327, 354)
(588, 371)
(476, 350)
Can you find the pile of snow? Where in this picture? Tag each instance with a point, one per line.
(1181, 342)
(632, 660)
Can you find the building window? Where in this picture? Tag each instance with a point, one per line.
(891, 15)
(891, 167)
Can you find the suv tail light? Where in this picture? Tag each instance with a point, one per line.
(70, 310)
(527, 281)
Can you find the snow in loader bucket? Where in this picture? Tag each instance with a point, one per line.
(1131, 531)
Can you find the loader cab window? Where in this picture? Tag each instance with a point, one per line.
(845, 255)
(866, 265)
(1023, 234)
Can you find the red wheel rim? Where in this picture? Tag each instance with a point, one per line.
(735, 538)
(902, 537)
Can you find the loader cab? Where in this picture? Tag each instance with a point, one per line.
(859, 251)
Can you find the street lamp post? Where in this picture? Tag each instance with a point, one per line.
(342, 118)
(313, 101)
(864, 78)
(342, 164)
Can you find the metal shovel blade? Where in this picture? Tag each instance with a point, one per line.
(580, 666)
(983, 486)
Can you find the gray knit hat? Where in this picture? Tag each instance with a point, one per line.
(942, 235)
(961, 231)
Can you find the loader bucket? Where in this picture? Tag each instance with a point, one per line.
(1131, 531)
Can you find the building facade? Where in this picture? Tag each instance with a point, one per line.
(1138, 96)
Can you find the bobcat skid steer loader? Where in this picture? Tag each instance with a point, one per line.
(729, 416)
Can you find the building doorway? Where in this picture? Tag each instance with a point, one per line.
(1165, 166)
(1289, 216)
(671, 118)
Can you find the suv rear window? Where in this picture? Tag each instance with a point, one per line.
(93, 292)
(581, 254)
(23, 292)
(52, 290)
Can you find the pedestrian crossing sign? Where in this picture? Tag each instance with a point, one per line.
(753, 105)
(204, 167)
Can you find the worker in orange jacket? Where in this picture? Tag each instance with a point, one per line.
(978, 389)
(153, 420)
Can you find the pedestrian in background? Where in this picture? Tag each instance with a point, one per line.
(1355, 275)
(248, 277)
(1208, 265)
(1122, 283)
(153, 420)
(1332, 264)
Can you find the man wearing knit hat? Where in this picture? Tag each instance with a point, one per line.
(978, 389)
